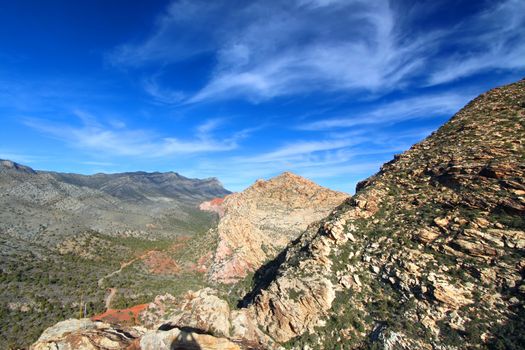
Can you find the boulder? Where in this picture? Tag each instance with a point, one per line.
(202, 310)
(450, 295)
(427, 235)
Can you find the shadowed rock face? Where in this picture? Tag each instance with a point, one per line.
(258, 223)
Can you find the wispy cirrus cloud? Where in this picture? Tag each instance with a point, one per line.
(112, 139)
(420, 107)
(162, 94)
(268, 49)
(182, 31)
(494, 39)
(293, 151)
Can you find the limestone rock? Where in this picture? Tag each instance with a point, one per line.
(215, 205)
(202, 310)
(290, 307)
(427, 235)
(442, 223)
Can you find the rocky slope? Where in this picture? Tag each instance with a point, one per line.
(429, 254)
(256, 224)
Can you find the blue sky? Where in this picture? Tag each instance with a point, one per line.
(241, 90)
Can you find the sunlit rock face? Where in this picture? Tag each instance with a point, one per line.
(259, 222)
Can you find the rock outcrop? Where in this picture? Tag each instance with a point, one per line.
(259, 222)
(89, 335)
(215, 205)
(85, 334)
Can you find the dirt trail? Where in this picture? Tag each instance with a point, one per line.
(122, 266)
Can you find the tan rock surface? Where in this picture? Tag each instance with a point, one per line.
(202, 310)
(85, 334)
(451, 295)
(260, 221)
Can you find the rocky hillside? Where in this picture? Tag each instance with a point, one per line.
(429, 254)
(257, 223)
(146, 187)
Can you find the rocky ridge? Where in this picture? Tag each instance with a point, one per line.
(429, 254)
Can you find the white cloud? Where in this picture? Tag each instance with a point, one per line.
(269, 49)
(260, 62)
(425, 106)
(94, 136)
(162, 94)
(298, 149)
(182, 31)
(348, 159)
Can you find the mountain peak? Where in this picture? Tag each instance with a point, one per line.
(289, 175)
(286, 182)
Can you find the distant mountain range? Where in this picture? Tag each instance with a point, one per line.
(44, 205)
